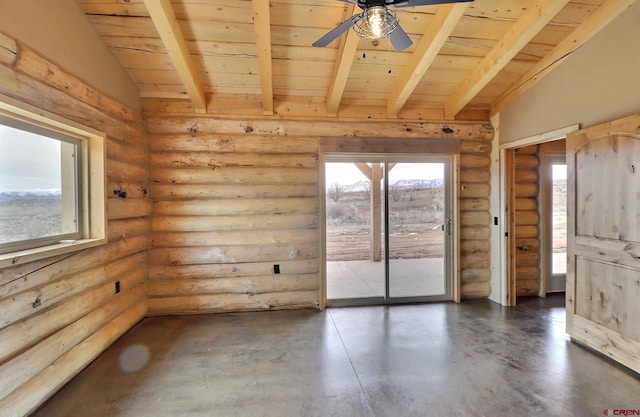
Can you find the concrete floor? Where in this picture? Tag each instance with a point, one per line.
(471, 359)
(408, 278)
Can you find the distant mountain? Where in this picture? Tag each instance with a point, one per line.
(30, 195)
(358, 186)
(418, 183)
(364, 185)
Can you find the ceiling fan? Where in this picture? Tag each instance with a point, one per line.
(377, 21)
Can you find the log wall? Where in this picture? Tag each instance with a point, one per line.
(58, 314)
(527, 221)
(234, 198)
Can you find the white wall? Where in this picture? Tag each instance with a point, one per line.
(59, 30)
(597, 83)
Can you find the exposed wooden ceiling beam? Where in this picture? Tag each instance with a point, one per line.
(166, 23)
(521, 32)
(443, 23)
(342, 67)
(262, 24)
(592, 25)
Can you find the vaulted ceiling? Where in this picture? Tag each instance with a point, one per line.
(254, 57)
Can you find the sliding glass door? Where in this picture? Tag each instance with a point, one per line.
(417, 225)
(354, 234)
(387, 230)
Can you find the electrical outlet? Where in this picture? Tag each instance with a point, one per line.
(276, 269)
(117, 287)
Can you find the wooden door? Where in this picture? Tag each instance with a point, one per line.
(603, 272)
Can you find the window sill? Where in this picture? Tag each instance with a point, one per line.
(30, 255)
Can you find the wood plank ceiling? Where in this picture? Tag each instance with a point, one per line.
(254, 57)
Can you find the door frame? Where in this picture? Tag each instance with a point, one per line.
(507, 209)
(452, 269)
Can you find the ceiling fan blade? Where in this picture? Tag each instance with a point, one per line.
(399, 39)
(413, 3)
(338, 30)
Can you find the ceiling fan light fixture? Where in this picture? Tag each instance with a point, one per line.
(377, 22)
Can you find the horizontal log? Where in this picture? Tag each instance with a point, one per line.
(206, 191)
(33, 77)
(203, 304)
(475, 232)
(526, 190)
(33, 301)
(473, 204)
(528, 273)
(393, 129)
(240, 285)
(122, 189)
(475, 218)
(474, 246)
(385, 145)
(231, 254)
(245, 270)
(174, 223)
(476, 260)
(276, 206)
(31, 92)
(525, 232)
(474, 175)
(527, 287)
(126, 228)
(527, 259)
(29, 396)
(129, 153)
(126, 208)
(37, 67)
(468, 275)
(259, 237)
(118, 171)
(474, 190)
(237, 143)
(475, 161)
(234, 175)
(215, 160)
(28, 364)
(351, 109)
(10, 275)
(527, 245)
(527, 217)
(526, 175)
(27, 276)
(30, 331)
(526, 161)
(526, 204)
(475, 289)
(475, 146)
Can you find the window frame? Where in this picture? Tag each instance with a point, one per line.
(90, 182)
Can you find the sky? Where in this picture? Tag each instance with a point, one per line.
(28, 161)
(559, 172)
(346, 173)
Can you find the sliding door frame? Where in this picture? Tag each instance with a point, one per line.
(411, 149)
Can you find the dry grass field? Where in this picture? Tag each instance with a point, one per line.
(23, 219)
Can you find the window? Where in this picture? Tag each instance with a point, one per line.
(51, 185)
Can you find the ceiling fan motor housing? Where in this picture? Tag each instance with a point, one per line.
(363, 4)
